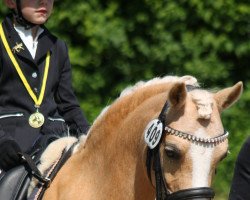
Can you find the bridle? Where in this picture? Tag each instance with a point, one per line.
(153, 135)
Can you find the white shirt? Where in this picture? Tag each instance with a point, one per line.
(27, 38)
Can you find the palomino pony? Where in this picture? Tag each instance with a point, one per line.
(160, 139)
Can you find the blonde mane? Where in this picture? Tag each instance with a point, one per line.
(188, 80)
(130, 94)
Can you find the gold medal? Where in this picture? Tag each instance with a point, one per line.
(36, 120)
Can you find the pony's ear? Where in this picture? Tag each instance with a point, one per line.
(228, 96)
(177, 95)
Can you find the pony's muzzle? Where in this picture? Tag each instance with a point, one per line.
(202, 193)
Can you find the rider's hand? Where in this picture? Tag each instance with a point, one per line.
(9, 156)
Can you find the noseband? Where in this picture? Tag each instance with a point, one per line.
(153, 135)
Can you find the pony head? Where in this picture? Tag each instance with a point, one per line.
(194, 140)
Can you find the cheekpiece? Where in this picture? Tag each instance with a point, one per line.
(193, 138)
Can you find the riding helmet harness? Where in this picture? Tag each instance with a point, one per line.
(20, 18)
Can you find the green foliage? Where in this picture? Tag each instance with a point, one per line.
(116, 43)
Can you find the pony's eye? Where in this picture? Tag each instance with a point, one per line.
(172, 152)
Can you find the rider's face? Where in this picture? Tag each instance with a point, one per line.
(37, 11)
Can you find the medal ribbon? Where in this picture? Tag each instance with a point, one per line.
(38, 101)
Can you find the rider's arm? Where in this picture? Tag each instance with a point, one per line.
(67, 102)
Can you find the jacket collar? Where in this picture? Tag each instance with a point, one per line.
(45, 42)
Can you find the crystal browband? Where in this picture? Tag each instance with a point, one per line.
(215, 140)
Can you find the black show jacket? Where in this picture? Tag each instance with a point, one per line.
(59, 101)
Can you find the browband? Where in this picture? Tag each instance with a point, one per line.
(214, 140)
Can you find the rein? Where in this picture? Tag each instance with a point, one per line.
(45, 180)
(161, 190)
(156, 129)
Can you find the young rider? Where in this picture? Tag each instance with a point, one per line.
(36, 95)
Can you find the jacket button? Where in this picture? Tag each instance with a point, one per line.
(36, 90)
(34, 75)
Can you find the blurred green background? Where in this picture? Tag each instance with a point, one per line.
(115, 43)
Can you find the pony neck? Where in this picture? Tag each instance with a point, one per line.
(115, 123)
(115, 141)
